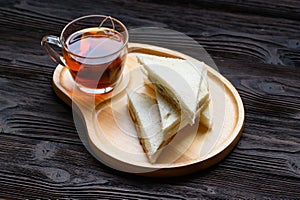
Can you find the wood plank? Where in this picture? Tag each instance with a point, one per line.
(259, 160)
(288, 9)
(273, 40)
(48, 172)
(255, 45)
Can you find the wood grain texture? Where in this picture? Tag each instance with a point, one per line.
(254, 43)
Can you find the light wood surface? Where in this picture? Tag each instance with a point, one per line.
(110, 135)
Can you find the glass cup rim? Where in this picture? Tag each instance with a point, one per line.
(90, 16)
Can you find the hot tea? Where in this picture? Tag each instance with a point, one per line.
(94, 50)
(95, 56)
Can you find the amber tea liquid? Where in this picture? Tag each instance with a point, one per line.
(95, 57)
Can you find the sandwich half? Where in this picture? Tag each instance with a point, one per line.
(144, 112)
(171, 119)
(179, 82)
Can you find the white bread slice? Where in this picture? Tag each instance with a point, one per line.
(168, 112)
(205, 116)
(172, 120)
(145, 114)
(178, 80)
(170, 117)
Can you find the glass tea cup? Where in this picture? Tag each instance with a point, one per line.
(94, 49)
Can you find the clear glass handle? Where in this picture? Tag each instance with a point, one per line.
(54, 55)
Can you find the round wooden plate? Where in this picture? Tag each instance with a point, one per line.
(109, 133)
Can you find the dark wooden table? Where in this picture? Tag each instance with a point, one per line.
(255, 44)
